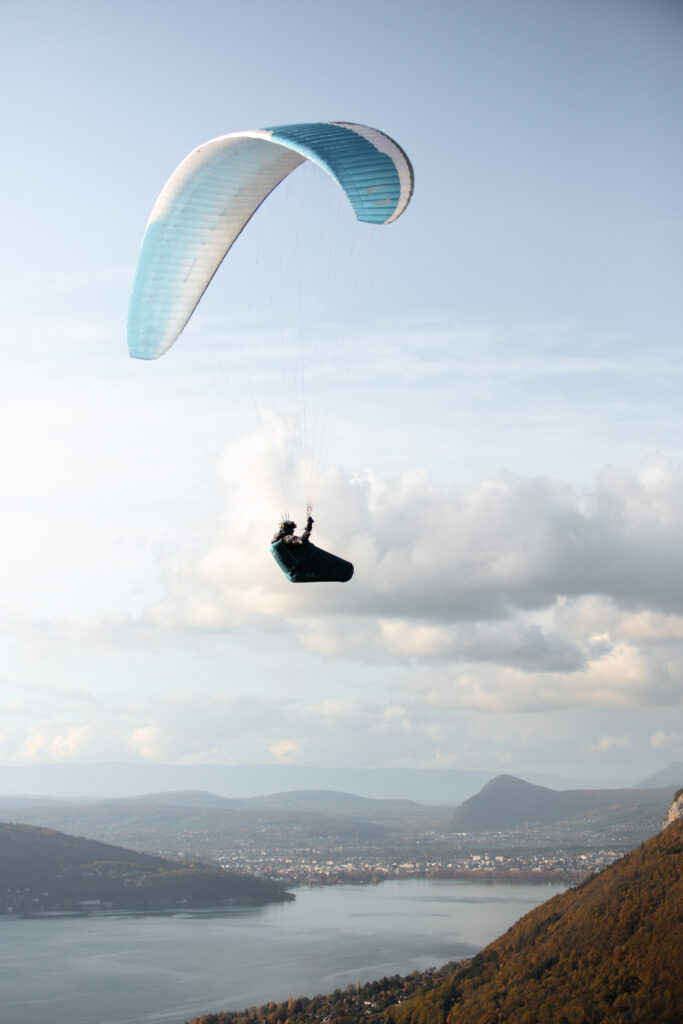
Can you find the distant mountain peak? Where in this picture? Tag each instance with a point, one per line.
(672, 775)
(512, 782)
(508, 802)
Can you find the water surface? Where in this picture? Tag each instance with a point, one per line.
(168, 968)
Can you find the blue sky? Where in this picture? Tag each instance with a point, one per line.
(504, 468)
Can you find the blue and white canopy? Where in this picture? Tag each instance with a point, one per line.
(218, 187)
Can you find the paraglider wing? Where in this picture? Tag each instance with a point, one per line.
(216, 190)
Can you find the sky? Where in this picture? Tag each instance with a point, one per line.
(498, 392)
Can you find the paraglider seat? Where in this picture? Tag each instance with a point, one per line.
(305, 563)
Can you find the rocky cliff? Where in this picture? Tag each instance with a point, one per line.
(675, 809)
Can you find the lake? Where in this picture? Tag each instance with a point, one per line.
(168, 968)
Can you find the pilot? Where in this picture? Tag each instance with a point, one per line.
(286, 532)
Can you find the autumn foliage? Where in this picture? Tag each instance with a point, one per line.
(607, 952)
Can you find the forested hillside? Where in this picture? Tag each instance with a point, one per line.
(608, 951)
(45, 870)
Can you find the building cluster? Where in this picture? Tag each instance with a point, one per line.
(323, 864)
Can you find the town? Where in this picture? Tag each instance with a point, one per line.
(515, 855)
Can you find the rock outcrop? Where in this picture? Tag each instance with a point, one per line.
(675, 809)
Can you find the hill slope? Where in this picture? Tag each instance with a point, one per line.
(333, 803)
(672, 775)
(198, 823)
(45, 870)
(608, 951)
(508, 802)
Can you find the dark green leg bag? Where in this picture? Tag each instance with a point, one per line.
(305, 563)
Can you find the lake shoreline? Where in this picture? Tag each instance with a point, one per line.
(491, 879)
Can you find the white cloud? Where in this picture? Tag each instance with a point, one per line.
(285, 750)
(334, 709)
(416, 640)
(45, 744)
(411, 715)
(661, 739)
(146, 742)
(609, 743)
(483, 600)
(506, 594)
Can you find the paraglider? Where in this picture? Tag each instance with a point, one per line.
(204, 207)
(302, 561)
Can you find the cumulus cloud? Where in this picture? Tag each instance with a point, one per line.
(146, 742)
(609, 743)
(285, 750)
(46, 744)
(502, 594)
(661, 739)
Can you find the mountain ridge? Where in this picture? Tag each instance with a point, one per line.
(118, 779)
(672, 775)
(509, 802)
